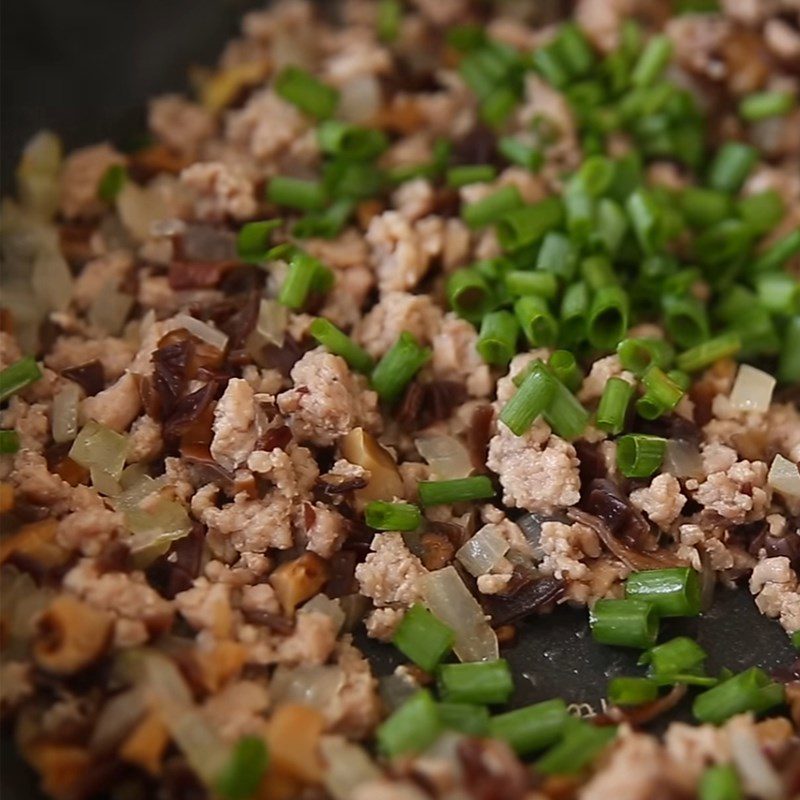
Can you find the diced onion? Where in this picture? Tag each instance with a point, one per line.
(116, 720)
(322, 604)
(396, 688)
(201, 330)
(759, 778)
(309, 685)
(483, 551)
(52, 280)
(99, 448)
(272, 321)
(446, 596)
(110, 309)
(348, 767)
(752, 390)
(132, 494)
(140, 209)
(207, 243)
(784, 476)
(37, 174)
(682, 459)
(446, 456)
(65, 413)
(360, 99)
(154, 530)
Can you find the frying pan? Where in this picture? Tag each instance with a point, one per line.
(85, 70)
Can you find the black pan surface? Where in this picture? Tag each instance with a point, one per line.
(85, 70)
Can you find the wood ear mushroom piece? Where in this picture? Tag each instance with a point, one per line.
(71, 635)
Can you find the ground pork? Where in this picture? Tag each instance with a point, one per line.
(311, 642)
(381, 623)
(9, 350)
(30, 421)
(601, 20)
(662, 501)
(394, 313)
(16, 684)
(89, 530)
(738, 494)
(390, 572)
(207, 606)
(33, 481)
(138, 609)
(237, 710)
(326, 531)
(565, 549)
(252, 526)
(775, 587)
(71, 351)
(219, 191)
(344, 302)
(80, 177)
(697, 40)
(538, 471)
(456, 359)
(356, 707)
(181, 125)
(99, 273)
(260, 597)
(116, 407)
(293, 472)
(599, 374)
(234, 426)
(414, 199)
(145, 441)
(327, 400)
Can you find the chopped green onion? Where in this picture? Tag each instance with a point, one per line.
(398, 367)
(253, 240)
(114, 178)
(705, 354)
(779, 292)
(660, 390)
(411, 728)
(519, 153)
(720, 782)
(680, 655)
(9, 442)
(351, 142)
(796, 640)
(612, 225)
(296, 193)
(789, 361)
(565, 415)
(685, 319)
(646, 219)
(675, 592)
(723, 245)
(579, 206)
(680, 378)
(625, 691)
(598, 272)
(390, 15)
(241, 776)
(536, 320)
(383, 516)
(761, 105)
(596, 175)
(469, 294)
(479, 682)
(574, 313)
(751, 690)
(637, 355)
(422, 637)
(527, 225)
(457, 490)
(531, 399)
(639, 455)
(762, 211)
(303, 90)
(625, 623)
(305, 274)
(563, 365)
(731, 166)
(573, 49)
(549, 65)
(327, 224)
(496, 108)
(17, 376)
(608, 317)
(340, 344)
(580, 744)
(704, 207)
(465, 38)
(652, 61)
(778, 253)
(557, 255)
(497, 342)
(531, 728)
(490, 209)
(526, 282)
(613, 407)
(465, 718)
(457, 177)
(353, 180)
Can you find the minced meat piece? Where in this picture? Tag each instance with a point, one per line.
(30, 421)
(293, 472)
(207, 606)
(80, 179)
(381, 623)
(738, 494)
(566, 547)
(219, 191)
(237, 710)
(9, 350)
(89, 530)
(327, 400)
(356, 707)
(775, 586)
(181, 125)
(99, 273)
(456, 359)
(662, 501)
(326, 531)
(146, 440)
(116, 407)
(312, 641)
(71, 351)
(394, 313)
(602, 369)
(234, 426)
(390, 572)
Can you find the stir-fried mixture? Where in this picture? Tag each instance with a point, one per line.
(418, 320)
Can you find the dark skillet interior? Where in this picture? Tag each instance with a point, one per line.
(85, 70)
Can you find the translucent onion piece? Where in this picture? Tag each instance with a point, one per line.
(52, 280)
(752, 390)
(483, 551)
(348, 766)
(104, 483)
(759, 778)
(194, 735)
(201, 330)
(140, 209)
(360, 99)
(65, 413)
(314, 686)
(445, 594)
(784, 476)
(682, 459)
(133, 494)
(396, 688)
(99, 448)
(272, 321)
(37, 174)
(110, 309)
(446, 456)
(322, 604)
(154, 530)
(21, 600)
(116, 720)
